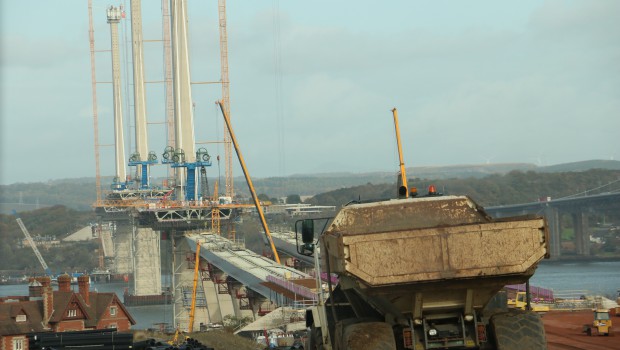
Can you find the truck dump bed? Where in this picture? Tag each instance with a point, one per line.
(432, 239)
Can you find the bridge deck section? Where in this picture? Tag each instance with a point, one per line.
(245, 266)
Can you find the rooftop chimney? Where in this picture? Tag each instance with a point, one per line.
(84, 288)
(48, 297)
(64, 283)
(35, 290)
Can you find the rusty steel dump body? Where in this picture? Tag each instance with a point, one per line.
(431, 253)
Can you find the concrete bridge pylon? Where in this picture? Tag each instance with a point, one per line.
(146, 262)
(122, 234)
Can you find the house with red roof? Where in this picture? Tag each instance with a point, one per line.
(46, 310)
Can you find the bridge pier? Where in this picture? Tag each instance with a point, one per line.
(122, 247)
(578, 210)
(222, 292)
(555, 238)
(256, 302)
(582, 238)
(213, 300)
(146, 262)
(236, 293)
(211, 293)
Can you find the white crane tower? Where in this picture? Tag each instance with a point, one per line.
(34, 247)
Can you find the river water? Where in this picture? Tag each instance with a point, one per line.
(600, 278)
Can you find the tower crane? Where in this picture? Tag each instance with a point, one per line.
(229, 190)
(31, 242)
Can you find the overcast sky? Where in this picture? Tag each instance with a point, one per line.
(313, 83)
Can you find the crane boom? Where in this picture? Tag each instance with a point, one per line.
(34, 247)
(259, 209)
(192, 310)
(403, 190)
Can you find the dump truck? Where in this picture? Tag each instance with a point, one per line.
(423, 273)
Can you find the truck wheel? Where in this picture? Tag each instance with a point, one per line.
(315, 341)
(516, 329)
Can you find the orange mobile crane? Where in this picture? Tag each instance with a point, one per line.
(192, 311)
(249, 181)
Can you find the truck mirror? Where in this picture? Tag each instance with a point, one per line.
(308, 242)
(307, 231)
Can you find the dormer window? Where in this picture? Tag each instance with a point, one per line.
(72, 313)
(20, 318)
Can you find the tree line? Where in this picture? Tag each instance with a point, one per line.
(512, 188)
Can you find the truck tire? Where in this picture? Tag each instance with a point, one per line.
(517, 329)
(315, 341)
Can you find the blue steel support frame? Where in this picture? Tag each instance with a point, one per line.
(190, 190)
(144, 179)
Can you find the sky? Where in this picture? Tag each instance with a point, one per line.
(313, 83)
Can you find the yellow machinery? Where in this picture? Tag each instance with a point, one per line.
(175, 339)
(602, 323)
(520, 302)
(192, 311)
(403, 189)
(215, 212)
(259, 208)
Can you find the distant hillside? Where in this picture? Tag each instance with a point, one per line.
(468, 171)
(80, 193)
(56, 221)
(582, 166)
(505, 189)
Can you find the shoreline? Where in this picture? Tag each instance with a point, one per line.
(580, 259)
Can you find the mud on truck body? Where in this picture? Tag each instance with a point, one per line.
(424, 273)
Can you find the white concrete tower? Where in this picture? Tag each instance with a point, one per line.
(184, 119)
(138, 81)
(114, 17)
